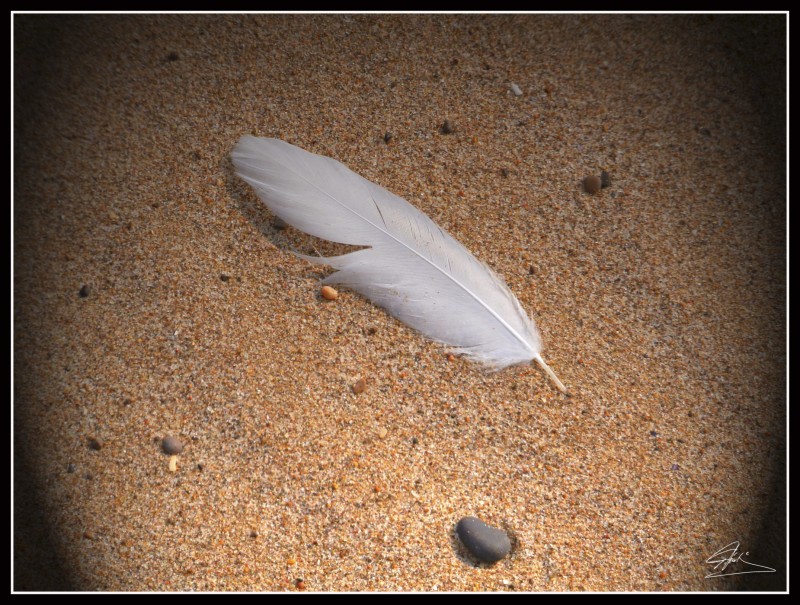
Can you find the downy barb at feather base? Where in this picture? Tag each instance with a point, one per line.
(409, 265)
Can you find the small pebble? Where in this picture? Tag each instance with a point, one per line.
(359, 386)
(485, 542)
(605, 179)
(173, 464)
(224, 277)
(171, 445)
(94, 443)
(173, 56)
(447, 127)
(84, 291)
(516, 90)
(382, 432)
(387, 137)
(329, 293)
(592, 184)
(279, 223)
(70, 468)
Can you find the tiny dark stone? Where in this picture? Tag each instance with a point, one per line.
(675, 467)
(387, 137)
(654, 433)
(359, 386)
(253, 533)
(173, 56)
(485, 542)
(70, 468)
(94, 443)
(591, 184)
(84, 291)
(447, 127)
(200, 466)
(414, 441)
(279, 223)
(605, 179)
(171, 445)
(88, 476)
(504, 172)
(704, 131)
(531, 270)
(224, 277)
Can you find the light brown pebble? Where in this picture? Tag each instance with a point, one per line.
(171, 445)
(173, 463)
(329, 293)
(382, 432)
(592, 184)
(359, 386)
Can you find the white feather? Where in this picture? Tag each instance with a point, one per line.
(410, 266)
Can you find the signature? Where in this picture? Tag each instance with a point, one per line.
(728, 555)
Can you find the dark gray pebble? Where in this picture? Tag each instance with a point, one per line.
(447, 127)
(485, 542)
(171, 445)
(84, 291)
(605, 179)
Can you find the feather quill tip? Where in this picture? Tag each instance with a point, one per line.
(551, 374)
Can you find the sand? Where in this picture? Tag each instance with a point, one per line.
(661, 301)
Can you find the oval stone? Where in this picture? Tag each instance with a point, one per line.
(171, 445)
(485, 542)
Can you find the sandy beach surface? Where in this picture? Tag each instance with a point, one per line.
(154, 295)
